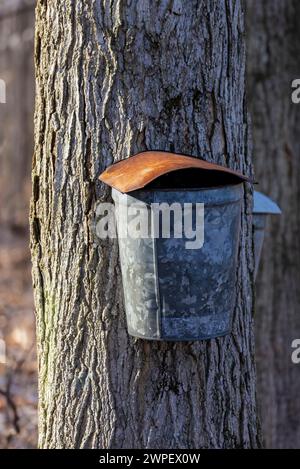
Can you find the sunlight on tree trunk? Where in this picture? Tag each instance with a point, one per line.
(114, 79)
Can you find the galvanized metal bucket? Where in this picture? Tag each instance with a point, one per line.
(172, 291)
(175, 293)
(262, 207)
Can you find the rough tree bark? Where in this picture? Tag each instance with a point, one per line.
(115, 78)
(273, 63)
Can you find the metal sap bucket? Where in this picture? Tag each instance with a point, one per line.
(262, 207)
(171, 292)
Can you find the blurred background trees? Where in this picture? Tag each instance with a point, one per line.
(16, 129)
(273, 62)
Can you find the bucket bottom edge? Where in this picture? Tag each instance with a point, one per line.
(179, 339)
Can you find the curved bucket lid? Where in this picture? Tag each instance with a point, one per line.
(139, 170)
(263, 204)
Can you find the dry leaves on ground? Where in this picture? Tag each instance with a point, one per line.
(18, 375)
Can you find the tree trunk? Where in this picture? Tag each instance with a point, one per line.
(274, 62)
(112, 80)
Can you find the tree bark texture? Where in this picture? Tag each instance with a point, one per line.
(16, 115)
(115, 78)
(273, 63)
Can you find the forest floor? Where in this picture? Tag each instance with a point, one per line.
(18, 365)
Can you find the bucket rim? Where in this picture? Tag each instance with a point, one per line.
(211, 196)
(238, 185)
(185, 189)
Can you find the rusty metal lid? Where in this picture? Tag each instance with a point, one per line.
(139, 170)
(264, 205)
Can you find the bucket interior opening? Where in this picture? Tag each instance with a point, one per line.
(193, 178)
